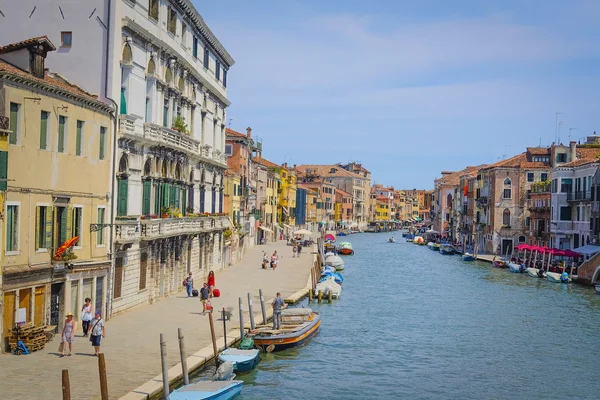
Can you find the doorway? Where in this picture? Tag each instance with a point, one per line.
(507, 245)
(55, 304)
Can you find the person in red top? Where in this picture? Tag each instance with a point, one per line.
(211, 282)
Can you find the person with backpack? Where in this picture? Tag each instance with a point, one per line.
(189, 284)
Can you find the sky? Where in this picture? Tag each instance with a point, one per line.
(409, 88)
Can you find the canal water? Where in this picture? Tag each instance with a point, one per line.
(414, 324)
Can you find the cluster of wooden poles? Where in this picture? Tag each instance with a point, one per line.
(315, 274)
(66, 384)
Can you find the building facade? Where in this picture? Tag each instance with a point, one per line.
(58, 137)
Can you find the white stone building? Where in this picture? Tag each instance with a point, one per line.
(165, 73)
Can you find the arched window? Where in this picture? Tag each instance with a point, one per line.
(506, 217)
(164, 172)
(521, 239)
(181, 85)
(148, 168)
(168, 76)
(507, 192)
(127, 56)
(449, 201)
(178, 172)
(122, 187)
(151, 70)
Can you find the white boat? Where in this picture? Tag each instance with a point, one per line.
(533, 272)
(334, 261)
(554, 277)
(327, 286)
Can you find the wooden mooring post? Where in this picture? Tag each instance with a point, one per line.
(66, 386)
(103, 379)
(184, 368)
(320, 296)
(214, 338)
(224, 327)
(242, 330)
(250, 312)
(262, 306)
(165, 367)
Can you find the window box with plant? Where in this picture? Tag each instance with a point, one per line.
(180, 126)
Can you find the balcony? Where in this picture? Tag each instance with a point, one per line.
(169, 137)
(541, 187)
(161, 228)
(534, 206)
(127, 231)
(561, 226)
(579, 196)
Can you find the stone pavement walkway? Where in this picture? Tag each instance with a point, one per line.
(132, 347)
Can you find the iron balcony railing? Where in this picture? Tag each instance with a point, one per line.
(582, 195)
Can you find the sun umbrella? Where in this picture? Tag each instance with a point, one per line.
(571, 253)
(63, 247)
(329, 236)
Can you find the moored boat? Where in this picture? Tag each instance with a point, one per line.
(345, 248)
(433, 246)
(517, 268)
(418, 240)
(556, 278)
(446, 249)
(297, 326)
(467, 257)
(329, 286)
(597, 287)
(334, 261)
(221, 387)
(391, 240)
(242, 360)
(499, 264)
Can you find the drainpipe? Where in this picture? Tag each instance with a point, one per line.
(115, 117)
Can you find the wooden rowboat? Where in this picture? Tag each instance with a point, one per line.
(297, 326)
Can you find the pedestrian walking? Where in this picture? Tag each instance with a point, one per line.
(86, 316)
(278, 305)
(211, 282)
(274, 260)
(189, 284)
(98, 332)
(294, 251)
(299, 248)
(204, 293)
(68, 334)
(265, 262)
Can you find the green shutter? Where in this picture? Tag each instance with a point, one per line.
(61, 134)
(10, 227)
(156, 198)
(123, 108)
(171, 194)
(102, 142)
(63, 226)
(78, 139)
(122, 197)
(3, 170)
(176, 195)
(38, 221)
(146, 190)
(100, 232)
(13, 123)
(69, 211)
(48, 228)
(183, 200)
(44, 130)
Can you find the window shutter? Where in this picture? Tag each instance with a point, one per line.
(146, 189)
(37, 227)
(202, 195)
(171, 191)
(43, 131)
(69, 218)
(63, 226)
(122, 197)
(3, 170)
(61, 134)
(102, 142)
(48, 229)
(14, 122)
(191, 196)
(78, 138)
(177, 194)
(156, 198)
(123, 108)
(183, 200)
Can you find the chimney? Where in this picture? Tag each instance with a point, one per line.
(573, 150)
(248, 132)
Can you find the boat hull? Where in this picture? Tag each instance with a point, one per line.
(286, 341)
(597, 287)
(241, 362)
(554, 277)
(468, 257)
(516, 268)
(499, 264)
(204, 391)
(346, 252)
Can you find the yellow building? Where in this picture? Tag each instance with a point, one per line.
(382, 209)
(233, 195)
(4, 134)
(270, 218)
(287, 196)
(311, 205)
(59, 162)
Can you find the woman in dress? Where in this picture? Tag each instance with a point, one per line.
(68, 334)
(274, 260)
(211, 282)
(86, 316)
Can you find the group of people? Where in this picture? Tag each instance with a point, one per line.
(96, 332)
(206, 292)
(274, 260)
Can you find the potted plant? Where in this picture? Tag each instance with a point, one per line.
(227, 233)
(165, 212)
(179, 125)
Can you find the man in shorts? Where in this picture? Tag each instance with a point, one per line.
(204, 293)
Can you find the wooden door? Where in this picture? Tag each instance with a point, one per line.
(38, 311)
(25, 302)
(9, 311)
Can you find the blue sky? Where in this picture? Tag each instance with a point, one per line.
(409, 88)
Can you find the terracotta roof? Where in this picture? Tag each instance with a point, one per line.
(266, 163)
(539, 150)
(52, 80)
(579, 162)
(342, 192)
(43, 40)
(327, 171)
(592, 152)
(453, 178)
(231, 132)
(523, 160)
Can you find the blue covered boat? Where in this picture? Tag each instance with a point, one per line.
(467, 257)
(517, 268)
(446, 249)
(242, 360)
(338, 278)
(204, 390)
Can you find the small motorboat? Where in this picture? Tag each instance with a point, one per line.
(433, 246)
(409, 238)
(597, 287)
(297, 326)
(418, 240)
(329, 286)
(446, 249)
(334, 261)
(242, 360)
(468, 257)
(338, 278)
(391, 240)
(222, 387)
(499, 264)
(534, 272)
(557, 278)
(517, 268)
(345, 248)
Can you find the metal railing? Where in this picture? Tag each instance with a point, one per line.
(579, 195)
